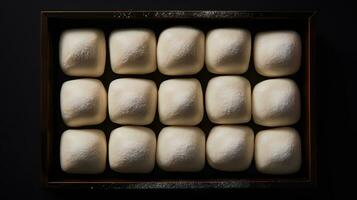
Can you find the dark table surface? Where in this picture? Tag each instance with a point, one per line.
(20, 93)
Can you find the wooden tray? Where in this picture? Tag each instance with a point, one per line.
(54, 22)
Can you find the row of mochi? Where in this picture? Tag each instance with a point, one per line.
(135, 149)
(179, 50)
(134, 101)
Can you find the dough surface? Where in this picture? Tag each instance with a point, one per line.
(181, 102)
(132, 101)
(82, 52)
(180, 51)
(83, 151)
(278, 151)
(230, 148)
(276, 102)
(277, 53)
(83, 102)
(132, 51)
(181, 149)
(228, 50)
(228, 100)
(132, 149)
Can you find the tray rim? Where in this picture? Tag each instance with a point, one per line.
(45, 92)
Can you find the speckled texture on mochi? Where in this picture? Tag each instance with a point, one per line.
(132, 149)
(132, 101)
(228, 100)
(278, 151)
(82, 52)
(83, 151)
(230, 147)
(180, 51)
(276, 102)
(180, 102)
(181, 149)
(228, 50)
(277, 53)
(83, 102)
(132, 51)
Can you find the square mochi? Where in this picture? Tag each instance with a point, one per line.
(230, 147)
(132, 51)
(278, 151)
(276, 102)
(132, 101)
(181, 149)
(228, 100)
(228, 50)
(181, 102)
(132, 149)
(83, 102)
(277, 53)
(82, 52)
(180, 51)
(83, 151)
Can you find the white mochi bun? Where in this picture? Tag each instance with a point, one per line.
(278, 151)
(83, 151)
(228, 100)
(228, 50)
(82, 52)
(180, 102)
(276, 102)
(181, 149)
(180, 51)
(132, 51)
(277, 53)
(230, 148)
(132, 101)
(83, 102)
(132, 149)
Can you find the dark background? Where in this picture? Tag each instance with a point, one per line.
(20, 149)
